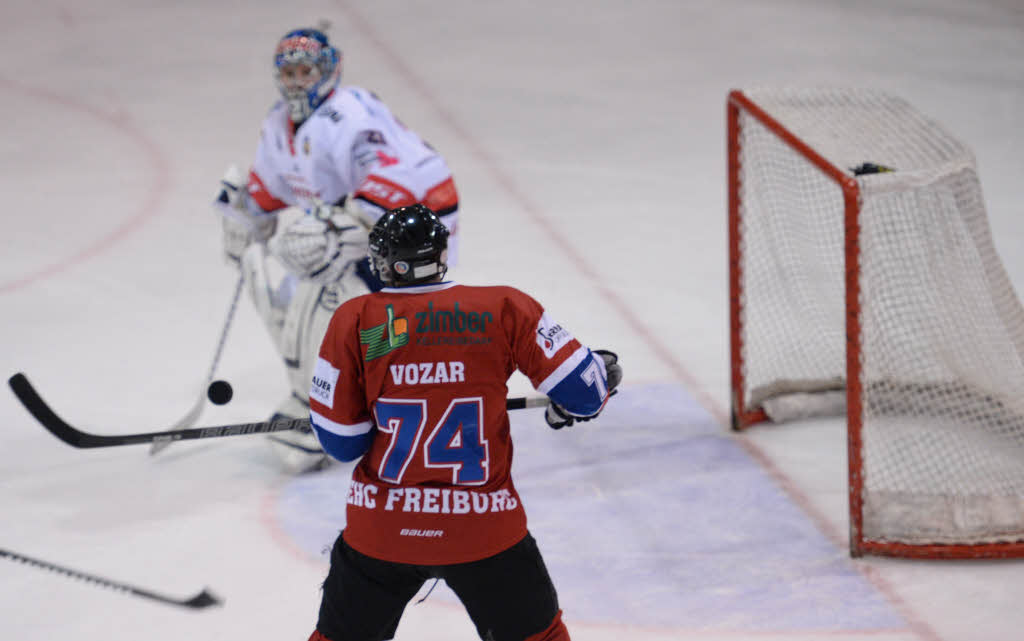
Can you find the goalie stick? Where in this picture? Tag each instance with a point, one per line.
(193, 415)
(36, 406)
(204, 599)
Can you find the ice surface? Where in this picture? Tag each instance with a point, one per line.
(588, 144)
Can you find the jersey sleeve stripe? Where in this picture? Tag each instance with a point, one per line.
(567, 367)
(442, 198)
(261, 195)
(384, 193)
(321, 422)
(343, 448)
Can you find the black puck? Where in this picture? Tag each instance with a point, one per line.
(219, 392)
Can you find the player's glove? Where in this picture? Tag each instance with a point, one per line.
(611, 368)
(556, 417)
(240, 226)
(555, 414)
(322, 244)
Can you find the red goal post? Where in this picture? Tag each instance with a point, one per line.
(864, 282)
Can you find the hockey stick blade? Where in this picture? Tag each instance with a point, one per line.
(74, 437)
(36, 406)
(202, 600)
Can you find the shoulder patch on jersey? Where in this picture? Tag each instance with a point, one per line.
(551, 336)
(325, 380)
(332, 114)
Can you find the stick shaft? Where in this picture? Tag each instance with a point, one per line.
(49, 419)
(201, 600)
(188, 420)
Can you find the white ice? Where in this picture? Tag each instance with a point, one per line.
(587, 140)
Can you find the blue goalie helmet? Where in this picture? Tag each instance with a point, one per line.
(306, 69)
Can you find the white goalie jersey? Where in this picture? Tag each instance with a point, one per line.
(352, 145)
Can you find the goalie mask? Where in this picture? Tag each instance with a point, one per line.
(306, 70)
(409, 245)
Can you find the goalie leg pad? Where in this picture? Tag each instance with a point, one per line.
(298, 451)
(308, 309)
(265, 296)
(305, 323)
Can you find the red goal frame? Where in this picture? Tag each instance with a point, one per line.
(744, 416)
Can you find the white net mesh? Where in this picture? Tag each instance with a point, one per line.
(942, 329)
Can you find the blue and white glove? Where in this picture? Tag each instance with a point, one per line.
(557, 417)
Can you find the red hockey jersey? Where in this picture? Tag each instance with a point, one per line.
(419, 374)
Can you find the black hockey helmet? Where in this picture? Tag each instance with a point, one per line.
(409, 245)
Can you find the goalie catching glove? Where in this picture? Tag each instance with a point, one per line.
(557, 417)
(321, 245)
(241, 225)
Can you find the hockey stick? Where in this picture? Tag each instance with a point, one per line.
(193, 414)
(77, 438)
(525, 402)
(204, 599)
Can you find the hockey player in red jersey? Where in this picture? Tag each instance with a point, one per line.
(331, 160)
(412, 380)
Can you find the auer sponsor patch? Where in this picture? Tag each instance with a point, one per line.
(551, 336)
(325, 379)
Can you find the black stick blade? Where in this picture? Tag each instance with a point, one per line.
(204, 599)
(41, 411)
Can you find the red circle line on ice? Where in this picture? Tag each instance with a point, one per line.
(148, 208)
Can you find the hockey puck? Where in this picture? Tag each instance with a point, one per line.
(219, 392)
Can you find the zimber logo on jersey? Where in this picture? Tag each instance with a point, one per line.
(551, 336)
(388, 336)
(457, 321)
(385, 338)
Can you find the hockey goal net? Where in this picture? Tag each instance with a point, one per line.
(864, 281)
